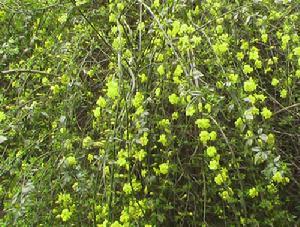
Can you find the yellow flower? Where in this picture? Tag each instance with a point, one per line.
(271, 139)
(213, 164)
(204, 136)
(157, 92)
(71, 160)
(260, 97)
(164, 123)
(178, 71)
(207, 107)
(200, 106)
(245, 45)
(247, 69)
(140, 155)
(220, 48)
(112, 89)
(138, 99)
(175, 116)
(254, 110)
(97, 112)
(240, 56)
(164, 168)
(252, 99)
(55, 89)
(266, 113)
(264, 37)
(250, 85)
(65, 215)
(127, 188)
(161, 70)
(283, 93)
(233, 77)
(101, 102)
(143, 78)
(203, 123)
(116, 224)
(90, 157)
(163, 139)
(275, 82)
(173, 99)
(211, 151)
(190, 110)
(253, 192)
(272, 188)
(258, 64)
(87, 142)
(226, 195)
(219, 179)
(277, 177)
(144, 139)
(253, 54)
(155, 4)
(239, 123)
(64, 199)
(297, 51)
(213, 135)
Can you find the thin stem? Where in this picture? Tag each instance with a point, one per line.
(12, 71)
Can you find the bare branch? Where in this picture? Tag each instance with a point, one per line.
(12, 71)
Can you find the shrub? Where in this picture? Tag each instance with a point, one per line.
(151, 113)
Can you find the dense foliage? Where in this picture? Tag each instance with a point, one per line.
(149, 113)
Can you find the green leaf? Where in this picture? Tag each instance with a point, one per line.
(3, 139)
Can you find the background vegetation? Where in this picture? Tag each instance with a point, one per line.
(149, 113)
